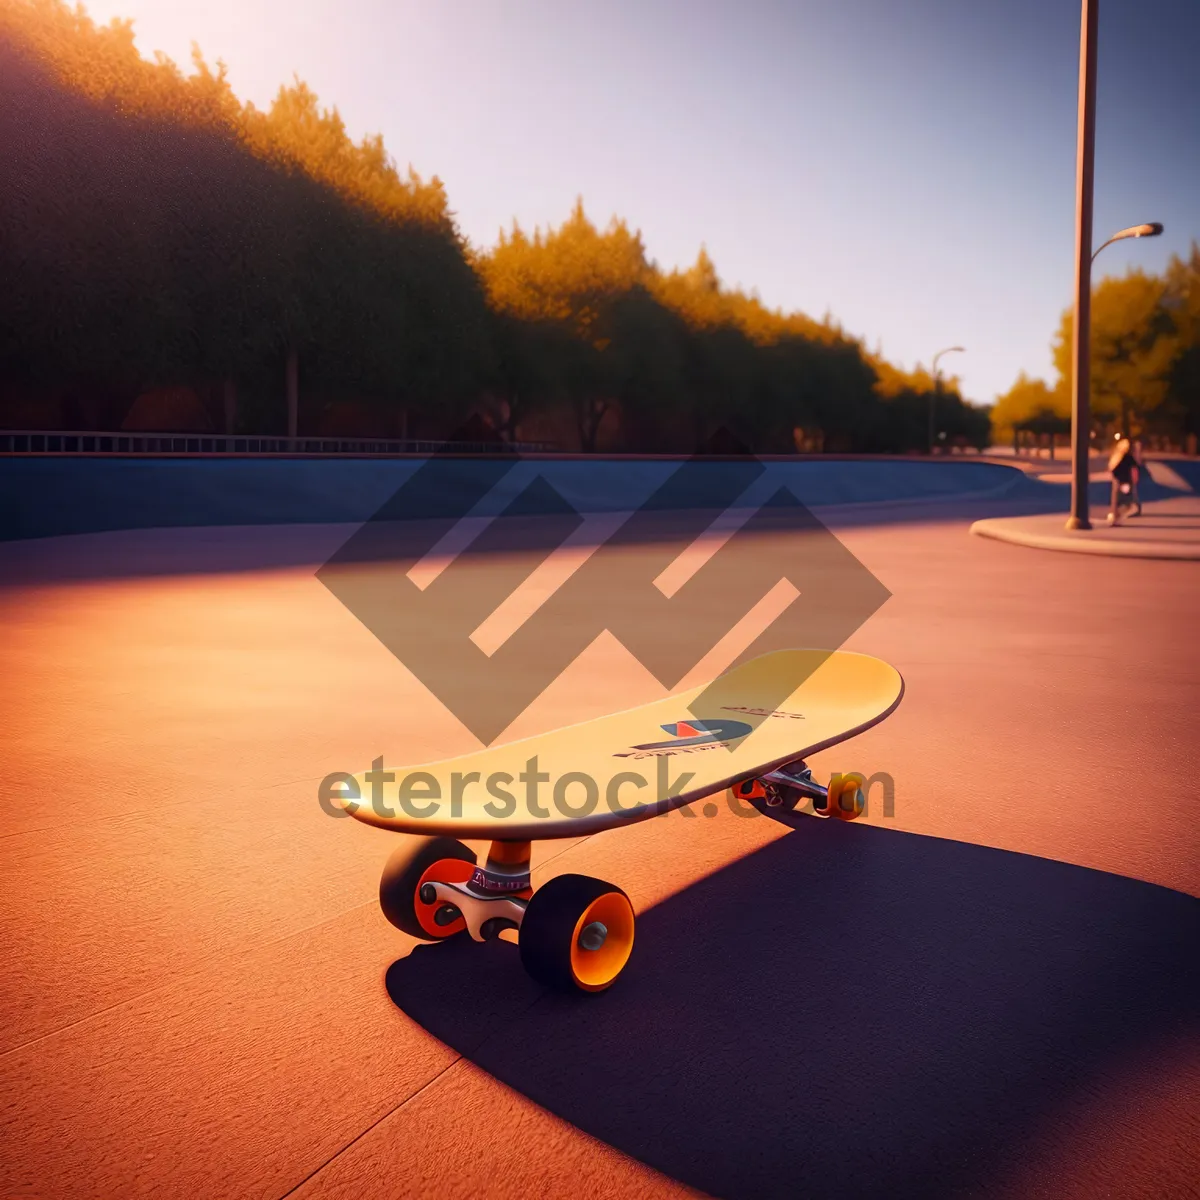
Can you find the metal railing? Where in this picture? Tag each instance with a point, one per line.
(41, 441)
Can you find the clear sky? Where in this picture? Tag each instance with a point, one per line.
(907, 166)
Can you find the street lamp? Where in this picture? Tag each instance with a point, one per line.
(1081, 414)
(1150, 229)
(936, 386)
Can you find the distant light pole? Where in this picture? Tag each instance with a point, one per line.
(937, 387)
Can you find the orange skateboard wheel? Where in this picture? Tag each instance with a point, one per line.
(577, 934)
(846, 799)
(420, 861)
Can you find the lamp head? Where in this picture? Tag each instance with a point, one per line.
(1150, 229)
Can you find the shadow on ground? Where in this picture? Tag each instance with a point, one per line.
(849, 1011)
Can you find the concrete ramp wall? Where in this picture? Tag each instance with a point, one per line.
(45, 497)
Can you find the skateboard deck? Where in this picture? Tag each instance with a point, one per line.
(592, 770)
(748, 731)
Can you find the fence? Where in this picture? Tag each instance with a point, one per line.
(78, 442)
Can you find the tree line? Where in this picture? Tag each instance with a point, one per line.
(1145, 362)
(156, 231)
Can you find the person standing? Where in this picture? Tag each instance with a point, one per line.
(1122, 466)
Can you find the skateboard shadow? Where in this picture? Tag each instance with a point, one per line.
(849, 1011)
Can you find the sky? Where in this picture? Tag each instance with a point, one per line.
(907, 167)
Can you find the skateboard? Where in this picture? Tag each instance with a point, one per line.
(574, 932)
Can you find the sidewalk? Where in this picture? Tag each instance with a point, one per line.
(1166, 529)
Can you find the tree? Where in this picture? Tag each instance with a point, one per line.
(1131, 349)
(164, 232)
(1029, 401)
(1180, 411)
(577, 287)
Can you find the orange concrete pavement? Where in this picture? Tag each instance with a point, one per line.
(195, 1000)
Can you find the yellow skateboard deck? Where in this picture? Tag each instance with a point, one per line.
(636, 764)
(748, 731)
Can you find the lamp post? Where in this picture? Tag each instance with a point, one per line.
(936, 387)
(1081, 416)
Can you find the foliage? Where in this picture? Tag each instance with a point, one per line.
(1179, 411)
(1145, 359)
(1129, 352)
(155, 230)
(1029, 403)
(161, 232)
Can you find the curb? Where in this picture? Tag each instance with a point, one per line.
(999, 529)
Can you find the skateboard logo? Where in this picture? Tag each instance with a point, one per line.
(689, 734)
(758, 711)
(487, 578)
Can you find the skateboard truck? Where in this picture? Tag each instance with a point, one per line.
(783, 788)
(798, 777)
(485, 915)
(494, 898)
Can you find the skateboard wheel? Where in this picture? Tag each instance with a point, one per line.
(846, 799)
(750, 789)
(577, 934)
(411, 871)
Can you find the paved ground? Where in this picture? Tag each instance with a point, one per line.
(1164, 529)
(992, 993)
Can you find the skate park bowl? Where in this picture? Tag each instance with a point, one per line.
(51, 496)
